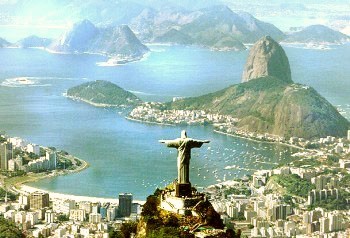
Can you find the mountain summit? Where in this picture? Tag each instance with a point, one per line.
(267, 58)
(112, 41)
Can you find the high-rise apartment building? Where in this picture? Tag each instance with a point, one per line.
(125, 202)
(5, 155)
(39, 200)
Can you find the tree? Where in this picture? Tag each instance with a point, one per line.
(165, 232)
(128, 228)
(9, 230)
(62, 217)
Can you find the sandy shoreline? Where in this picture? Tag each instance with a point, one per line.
(62, 196)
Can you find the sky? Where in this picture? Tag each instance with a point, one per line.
(54, 15)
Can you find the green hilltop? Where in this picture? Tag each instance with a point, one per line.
(268, 101)
(103, 93)
(270, 105)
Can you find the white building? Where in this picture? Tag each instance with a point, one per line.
(77, 214)
(32, 217)
(49, 216)
(95, 218)
(17, 142)
(63, 206)
(20, 217)
(33, 148)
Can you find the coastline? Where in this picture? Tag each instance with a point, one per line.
(252, 139)
(149, 122)
(16, 184)
(78, 198)
(91, 103)
(19, 186)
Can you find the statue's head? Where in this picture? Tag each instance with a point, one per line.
(183, 134)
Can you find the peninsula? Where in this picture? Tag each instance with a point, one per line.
(266, 102)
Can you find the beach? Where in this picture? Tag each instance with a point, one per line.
(61, 196)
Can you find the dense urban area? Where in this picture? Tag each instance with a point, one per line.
(304, 198)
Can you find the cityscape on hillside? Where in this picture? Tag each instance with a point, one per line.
(154, 118)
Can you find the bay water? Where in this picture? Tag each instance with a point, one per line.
(125, 156)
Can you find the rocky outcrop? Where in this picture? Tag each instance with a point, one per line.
(112, 41)
(267, 58)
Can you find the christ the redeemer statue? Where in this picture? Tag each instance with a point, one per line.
(183, 146)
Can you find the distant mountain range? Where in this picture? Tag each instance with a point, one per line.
(216, 27)
(84, 36)
(317, 34)
(103, 93)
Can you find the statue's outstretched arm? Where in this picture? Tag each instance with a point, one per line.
(199, 143)
(170, 143)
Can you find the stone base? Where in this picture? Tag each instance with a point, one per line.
(179, 205)
(183, 190)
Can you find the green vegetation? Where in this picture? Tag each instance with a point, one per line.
(103, 92)
(294, 185)
(9, 230)
(10, 195)
(331, 204)
(165, 232)
(271, 105)
(238, 191)
(62, 217)
(306, 162)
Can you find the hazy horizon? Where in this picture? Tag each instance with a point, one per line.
(19, 18)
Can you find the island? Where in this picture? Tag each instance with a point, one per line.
(119, 43)
(33, 42)
(102, 93)
(4, 43)
(316, 37)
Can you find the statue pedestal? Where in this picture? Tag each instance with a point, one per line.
(183, 190)
(181, 205)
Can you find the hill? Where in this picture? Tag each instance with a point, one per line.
(103, 93)
(269, 102)
(84, 36)
(270, 105)
(4, 43)
(33, 41)
(317, 34)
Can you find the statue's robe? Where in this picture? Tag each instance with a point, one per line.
(184, 146)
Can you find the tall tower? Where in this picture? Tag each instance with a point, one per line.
(5, 155)
(125, 202)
